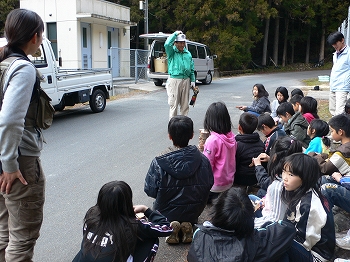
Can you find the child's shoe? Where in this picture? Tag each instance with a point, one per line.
(344, 242)
(174, 237)
(187, 232)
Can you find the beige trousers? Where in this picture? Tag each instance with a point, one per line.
(337, 101)
(178, 91)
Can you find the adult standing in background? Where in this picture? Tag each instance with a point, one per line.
(181, 73)
(22, 181)
(340, 74)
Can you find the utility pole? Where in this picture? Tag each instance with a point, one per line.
(144, 6)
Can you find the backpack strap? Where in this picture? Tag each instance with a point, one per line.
(4, 66)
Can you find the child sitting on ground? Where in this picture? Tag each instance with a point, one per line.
(295, 125)
(249, 145)
(336, 182)
(281, 94)
(268, 127)
(220, 148)
(230, 233)
(180, 180)
(318, 131)
(307, 209)
(261, 103)
(113, 231)
(308, 108)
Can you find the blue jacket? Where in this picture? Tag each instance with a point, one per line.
(180, 64)
(180, 182)
(340, 74)
(260, 105)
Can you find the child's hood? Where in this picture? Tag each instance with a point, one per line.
(228, 139)
(181, 164)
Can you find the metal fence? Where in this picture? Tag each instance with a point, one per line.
(345, 28)
(128, 63)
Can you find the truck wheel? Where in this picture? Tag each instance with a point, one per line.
(158, 82)
(97, 101)
(208, 79)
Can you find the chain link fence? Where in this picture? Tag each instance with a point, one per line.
(345, 28)
(128, 63)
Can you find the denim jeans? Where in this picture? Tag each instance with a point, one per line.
(21, 212)
(335, 193)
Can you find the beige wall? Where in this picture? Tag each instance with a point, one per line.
(68, 14)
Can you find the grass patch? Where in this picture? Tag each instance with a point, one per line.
(323, 111)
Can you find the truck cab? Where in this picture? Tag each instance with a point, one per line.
(67, 87)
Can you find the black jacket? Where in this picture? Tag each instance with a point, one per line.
(248, 146)
(180, 182)
(266, 244)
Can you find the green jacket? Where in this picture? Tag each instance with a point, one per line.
(180, 64)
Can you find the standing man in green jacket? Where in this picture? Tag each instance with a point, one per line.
(181, 73)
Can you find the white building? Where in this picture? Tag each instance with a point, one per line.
(82, 31)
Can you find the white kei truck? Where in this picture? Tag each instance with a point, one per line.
(67, 87)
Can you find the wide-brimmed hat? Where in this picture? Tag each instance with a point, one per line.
(180, 38)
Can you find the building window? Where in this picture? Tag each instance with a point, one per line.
(52, 36)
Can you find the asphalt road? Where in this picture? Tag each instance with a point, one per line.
(86, 150)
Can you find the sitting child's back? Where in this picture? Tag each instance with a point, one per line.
(249, 145)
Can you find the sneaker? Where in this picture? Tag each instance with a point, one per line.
(344, 242)
(174, 237)
(187, 232)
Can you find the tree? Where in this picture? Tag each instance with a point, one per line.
(5, 7)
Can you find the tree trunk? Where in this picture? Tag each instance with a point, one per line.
(323, 37)
(275, 41)
(266, 39)
(284, 57)
(307, 55)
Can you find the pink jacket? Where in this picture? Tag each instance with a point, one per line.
(221, 149)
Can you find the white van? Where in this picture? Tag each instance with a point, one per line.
(157, 68)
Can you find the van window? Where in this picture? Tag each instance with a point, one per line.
(193, 50)
(201, 52)
(208, 51)
(158, 49)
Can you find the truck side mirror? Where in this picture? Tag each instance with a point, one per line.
(215, 56)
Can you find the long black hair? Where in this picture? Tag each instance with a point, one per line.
(261, 90)
(113, 214)
(309, 105)
(20, 27)
(217, 118)
(307, 168)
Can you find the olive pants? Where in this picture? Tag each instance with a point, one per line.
(21, 212)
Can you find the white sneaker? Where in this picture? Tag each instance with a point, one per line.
(344, 242)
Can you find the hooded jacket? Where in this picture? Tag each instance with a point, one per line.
(180, 182)
(297, 128)
(248, 146)
(211, 244)
(180, 64)
(220, 149)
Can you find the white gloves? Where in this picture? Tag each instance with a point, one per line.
(193, 85)
(178, 32)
